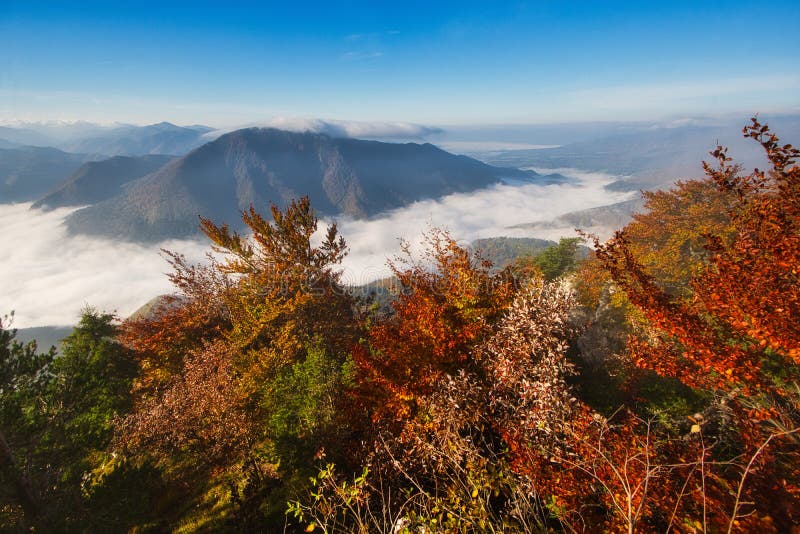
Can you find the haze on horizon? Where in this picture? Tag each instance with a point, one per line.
(443, 63)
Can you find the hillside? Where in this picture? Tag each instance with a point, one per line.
(45, 336)
(650, 156)
(95, 181)
(503, 251)
(26, 173)
(12, 136)
(602, 218)
(262, 166)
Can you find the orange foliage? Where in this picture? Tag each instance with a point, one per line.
(745, 300)
(735, 330)
(755, 284)
(178, 324)
(669, 237)
(450, 301)
(209, 354)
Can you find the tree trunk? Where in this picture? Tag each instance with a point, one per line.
(21, 487)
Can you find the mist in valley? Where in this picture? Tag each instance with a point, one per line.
(49, 275)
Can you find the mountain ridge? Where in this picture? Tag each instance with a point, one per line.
(259, 166)
(95, 181)
(28, 172)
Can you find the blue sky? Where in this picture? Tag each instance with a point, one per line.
(226, 63)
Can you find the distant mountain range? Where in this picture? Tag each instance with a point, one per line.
(160, 177)
(260, 166)
(162, 138)
(652, 156)
(608, 217)
(503, 251)
(36, 158)
(18, 136)
(45, 336)
(98, 140)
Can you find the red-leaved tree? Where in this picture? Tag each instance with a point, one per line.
(735, 333)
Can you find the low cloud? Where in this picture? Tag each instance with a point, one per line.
(490, 212)
(338, 128)
(48, 276)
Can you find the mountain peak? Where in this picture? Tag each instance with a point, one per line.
(164, 125)
(263, 166)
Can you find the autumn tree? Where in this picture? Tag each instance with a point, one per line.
(475, 454)
(669, 236)
(450, 300)
(556, 260)
(733, 332)
(252, 344)
(195, 314)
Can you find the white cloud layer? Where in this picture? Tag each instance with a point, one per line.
(47, 276)
(469, 216)
(340, 128)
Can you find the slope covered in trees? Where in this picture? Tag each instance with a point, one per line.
(28, 172)
(650, 387)
(264, 166)
(98, 180)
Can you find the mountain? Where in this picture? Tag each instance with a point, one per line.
(602, 219)
(128, 140)
(23, 137)
(26, 173)
(95, 181)
(262, 166)
(45, 336)
(8, 144)
(503, 251)
(105, 140)
(654, 156)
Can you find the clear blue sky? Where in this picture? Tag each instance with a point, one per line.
(225, 62)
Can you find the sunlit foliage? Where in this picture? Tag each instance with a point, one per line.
(652, 387)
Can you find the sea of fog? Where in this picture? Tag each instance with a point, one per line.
(47, 276)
